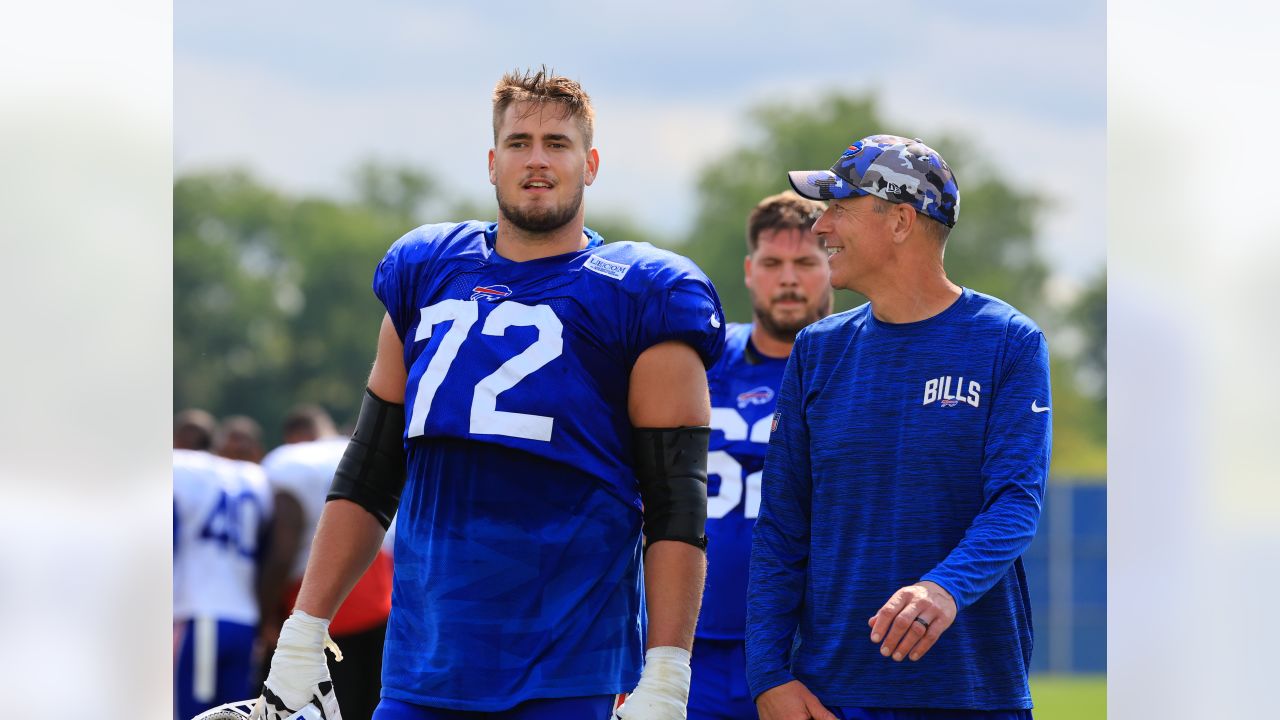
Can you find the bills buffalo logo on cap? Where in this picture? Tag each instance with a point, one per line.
(755, 396)
(492, 293)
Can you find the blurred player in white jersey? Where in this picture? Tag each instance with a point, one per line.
(788, 279)
(300, 472)
(239, 437)
(221, 509)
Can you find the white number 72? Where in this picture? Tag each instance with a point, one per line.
(486, 419)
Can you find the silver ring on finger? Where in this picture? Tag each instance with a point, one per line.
(922, 621)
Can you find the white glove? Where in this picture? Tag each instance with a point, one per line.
(298, 686)
(663, 691)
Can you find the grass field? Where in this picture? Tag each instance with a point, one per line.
(1069, 697)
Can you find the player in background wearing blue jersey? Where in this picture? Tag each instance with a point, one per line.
(788, 280)
(546, 396)
(905, 471)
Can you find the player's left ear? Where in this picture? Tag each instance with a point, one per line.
(902, 219)
(493, 173)
(593, 166)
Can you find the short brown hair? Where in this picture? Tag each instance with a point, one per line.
(932, 228)
(783, 211)
(541, 87)
(193, 429)
(310, 421)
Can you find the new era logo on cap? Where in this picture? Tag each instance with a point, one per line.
(891, 167)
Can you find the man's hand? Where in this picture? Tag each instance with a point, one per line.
(663, 691)
(298, 685)
(791, 701)
(912, 620)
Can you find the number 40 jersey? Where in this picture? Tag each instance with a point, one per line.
(518, 541)
(220, 511)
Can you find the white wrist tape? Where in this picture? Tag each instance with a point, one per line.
(663, 691)
(299, 663)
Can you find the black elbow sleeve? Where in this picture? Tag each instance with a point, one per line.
(671, 464)
(372, 470)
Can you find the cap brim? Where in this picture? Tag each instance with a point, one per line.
(821, 185)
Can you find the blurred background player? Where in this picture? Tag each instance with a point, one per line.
(300, 473)
(788, 280)
(239, 437)
(545, 395)
(220, 511)
(193, 429)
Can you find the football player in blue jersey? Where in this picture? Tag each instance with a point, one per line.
(905, 471)
(788, 280)
(537, 412)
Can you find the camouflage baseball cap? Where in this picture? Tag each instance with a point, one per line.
(897, 169)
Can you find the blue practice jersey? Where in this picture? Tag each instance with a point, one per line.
(518, 570)
(744, 387)
(900, 453)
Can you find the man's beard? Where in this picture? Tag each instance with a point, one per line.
(541, 219)
(785, 330)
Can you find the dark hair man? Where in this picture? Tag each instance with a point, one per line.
(787, 277)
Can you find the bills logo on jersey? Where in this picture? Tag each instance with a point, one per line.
(492, 293)
(946, 391)
(755, 396)
(777, 416)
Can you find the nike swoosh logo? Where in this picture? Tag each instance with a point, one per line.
(1035, 408)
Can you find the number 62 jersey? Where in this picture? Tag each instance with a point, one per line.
(518, 541)
(744, 386)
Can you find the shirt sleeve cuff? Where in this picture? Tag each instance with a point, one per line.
(946, 584)
(768, 681)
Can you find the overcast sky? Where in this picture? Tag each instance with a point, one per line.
(302, 92)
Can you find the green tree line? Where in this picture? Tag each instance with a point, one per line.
(273, 306)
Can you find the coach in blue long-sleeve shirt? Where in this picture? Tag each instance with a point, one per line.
(905, 471)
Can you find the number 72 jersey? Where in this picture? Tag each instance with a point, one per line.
(536, 356)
